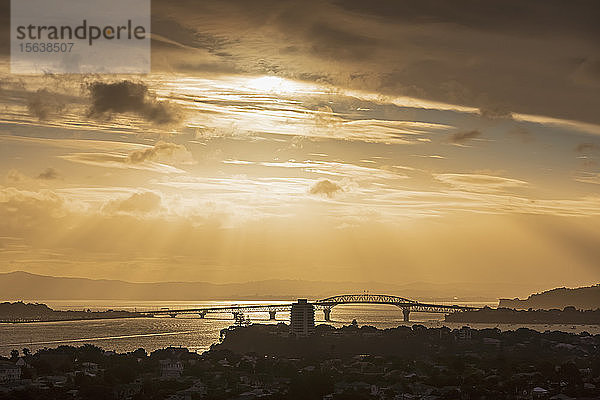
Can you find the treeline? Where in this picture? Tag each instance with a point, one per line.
(568, 315)
(23, 310)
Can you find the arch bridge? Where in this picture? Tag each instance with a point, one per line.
(326, 305)
(406, 305)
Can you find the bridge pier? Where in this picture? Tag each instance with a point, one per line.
(406, 314)
(272, 314)
(327, 313)
(202, 314)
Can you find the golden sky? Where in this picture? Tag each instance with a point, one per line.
(363, 142)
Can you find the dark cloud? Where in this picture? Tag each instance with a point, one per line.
(462, 137)
(495, 112)
(43, 103)
(49, 174)
(504, 57)
(536, 17)
(14, 176)
(325, 187)
(332, 42)
(130, 97)
(180, 35)
(162, 150)
(587, 73)
(587, 147)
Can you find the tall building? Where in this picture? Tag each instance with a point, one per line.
(302, 318)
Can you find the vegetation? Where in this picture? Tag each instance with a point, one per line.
(29, 312)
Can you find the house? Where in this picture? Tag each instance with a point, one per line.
(561, 396)
(539, 393)
(464, 333)
(170, 369)
(197, 390)
(9, 372)
(90, 368)
(492, 342)
(21, 363)
(127, 391)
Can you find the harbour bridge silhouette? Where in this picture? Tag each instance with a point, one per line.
(326, 305)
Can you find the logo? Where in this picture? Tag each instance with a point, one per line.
(80, 36)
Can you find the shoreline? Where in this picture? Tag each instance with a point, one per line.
(34, 321)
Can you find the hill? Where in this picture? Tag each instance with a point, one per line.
(584, 298)
(21, 285)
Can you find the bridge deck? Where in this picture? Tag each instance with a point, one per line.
(327, 304)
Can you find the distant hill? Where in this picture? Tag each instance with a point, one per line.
(584, 298)
(27, 312)
(27, 286)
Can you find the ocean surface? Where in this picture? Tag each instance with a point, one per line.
(198, 334)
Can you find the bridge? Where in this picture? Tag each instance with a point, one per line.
(236, 310)
(406, 305)
(326, 305)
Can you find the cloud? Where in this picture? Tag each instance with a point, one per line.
(479, 182)
(157, 158)
(48, 174)
(589, 178)
(495, 112)
(587, 147)
(469, 54)
(14, 176)
(131, 97)
(462, 137)
(112, 160)
(43, 103)
(25, 209)
(162, 151)
(331, 42)
(338, 169)
(137, 203)
(325, 187)
(587, 73)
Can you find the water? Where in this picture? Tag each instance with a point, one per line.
(198, 334)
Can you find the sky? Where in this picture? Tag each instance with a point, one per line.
(391, 141)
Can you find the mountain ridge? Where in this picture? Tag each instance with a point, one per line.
(18, 285)
(584, 298)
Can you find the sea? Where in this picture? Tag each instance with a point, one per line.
(198, 334)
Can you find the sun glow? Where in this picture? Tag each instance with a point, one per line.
(275, 84)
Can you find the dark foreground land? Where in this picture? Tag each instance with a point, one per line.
(567, 316)
(264, 361)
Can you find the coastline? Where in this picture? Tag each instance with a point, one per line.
(34, 321)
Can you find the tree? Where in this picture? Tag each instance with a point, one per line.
(26, 351)
(14, 354)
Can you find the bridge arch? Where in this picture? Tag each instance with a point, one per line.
(365, 298)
